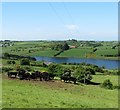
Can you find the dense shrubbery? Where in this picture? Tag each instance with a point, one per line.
(16, 57)
(25, 62)
(55, 69)
(112, 72)
(107, 84)
(57, 47)
(11, 62)
(83, 74)
(6, 69)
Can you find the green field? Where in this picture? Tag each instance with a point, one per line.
(43, 48)
(36, 94)
(55, 93)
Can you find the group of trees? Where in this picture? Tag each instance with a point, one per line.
(81, 73)
(16, 57)
(60, 46)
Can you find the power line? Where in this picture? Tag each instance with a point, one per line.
(70, 15)
(68, 12)
(60, 19)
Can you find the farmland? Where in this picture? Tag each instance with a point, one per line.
(55, 93)
(36, 94)
(83, 50)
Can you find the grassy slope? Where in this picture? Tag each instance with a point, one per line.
(36, 94)
(81, 52)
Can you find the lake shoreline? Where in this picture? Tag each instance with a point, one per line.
(80, 57)
(109, 64)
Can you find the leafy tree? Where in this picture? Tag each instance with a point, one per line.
(8, 62)
(6, 55)
(13, 62)
(6, 69)
(55, 69)
(25, 62)
(57, 47)
(65, 46)
(83, 74)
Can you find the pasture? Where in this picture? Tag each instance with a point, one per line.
(43, 48)
(57, 94)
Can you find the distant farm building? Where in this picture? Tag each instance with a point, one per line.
(72, 46)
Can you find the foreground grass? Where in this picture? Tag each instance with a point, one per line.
(36, 94)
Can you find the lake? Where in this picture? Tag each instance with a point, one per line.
(109, 64)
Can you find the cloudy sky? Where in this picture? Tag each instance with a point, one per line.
(60, 21)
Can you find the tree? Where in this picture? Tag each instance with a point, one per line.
(83, 74)
(57, 47)
(6, 55)
(65, 46)
(25, 62)
(13, 62)
(55, 69)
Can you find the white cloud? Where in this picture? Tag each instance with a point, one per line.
(72, 27)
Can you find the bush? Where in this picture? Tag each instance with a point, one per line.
(6, 55)
(55, 69)
(91, 70)
(11, 62)
(6, 69)
(25, 62)
(83, 74)
(107, 84)
(28, 68)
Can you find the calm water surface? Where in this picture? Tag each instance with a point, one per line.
(109, 64)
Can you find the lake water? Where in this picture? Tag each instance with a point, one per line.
(109, 64)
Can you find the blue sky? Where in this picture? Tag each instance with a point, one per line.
(60, 21)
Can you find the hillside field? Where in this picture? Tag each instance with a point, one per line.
(43, 48)
(56, 94)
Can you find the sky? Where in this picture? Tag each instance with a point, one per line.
(60, 21)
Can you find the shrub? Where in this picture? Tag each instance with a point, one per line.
(55, 69)
(91, 70)
(107, 84)
(11, 62)
(6, 55)
(82, 74)
(6, 69)
(25, 62)
(28, 68)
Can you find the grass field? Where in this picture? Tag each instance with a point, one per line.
(43, 48)
(36, 94)
(56, 94)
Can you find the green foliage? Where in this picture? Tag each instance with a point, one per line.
(94, 49)
(83, 74)
(6, 55)
(6, 69)
(57, 47)
(65, 46)
(55, 69)
(11, 62)
(27, 68)
(107, 84)
(25, 62)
